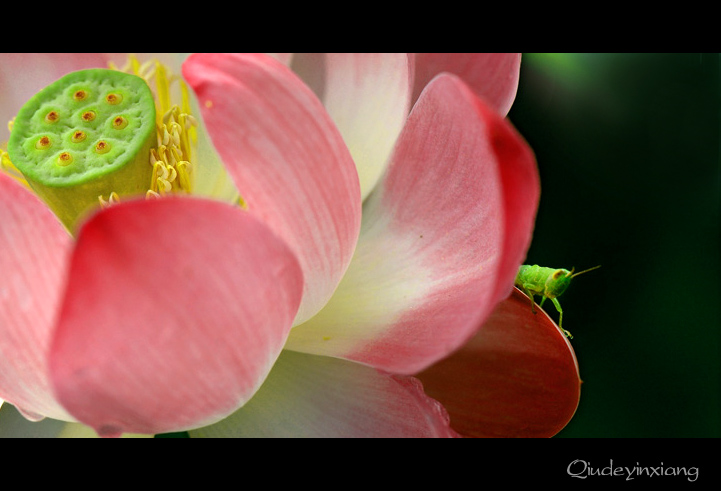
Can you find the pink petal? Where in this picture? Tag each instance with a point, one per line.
(35, 249)
(368, 97)
(175, 311)
(442, 238)
(493, 76)
(518, 377)
(288, 161)
(318, 396)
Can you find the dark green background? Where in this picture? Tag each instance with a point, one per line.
(628, 153)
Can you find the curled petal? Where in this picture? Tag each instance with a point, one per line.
(493, 76)
(175, 311)
(35, 249)
(517, 377)
(441, 240)
(318, 396)
(368, 97)
(287, 159)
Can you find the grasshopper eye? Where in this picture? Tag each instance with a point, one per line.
(557, 274)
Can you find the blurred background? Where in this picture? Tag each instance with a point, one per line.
(628, 152)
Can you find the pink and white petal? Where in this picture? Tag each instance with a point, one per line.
(35, 250)
(493, 76)
(368, 97)
(517, 377)
(317, 396)
(441, 240)
(175, 311)
(287, 159)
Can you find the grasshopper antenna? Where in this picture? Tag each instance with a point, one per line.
(585, 270)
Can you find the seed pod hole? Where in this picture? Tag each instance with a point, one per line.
(43, 143)
(102, 147)
(113, 98)
(52, 117)
(78, 136)
(64, 159)
(119, 123)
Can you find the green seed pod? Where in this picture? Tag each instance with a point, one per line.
(86, 135)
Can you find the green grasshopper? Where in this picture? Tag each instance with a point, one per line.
(548, 282)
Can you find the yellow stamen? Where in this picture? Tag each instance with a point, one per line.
(187, 134)
(183, 175)
(158, 168)
(164, 186)
(173, 152)
(113, 199)
(172, 173)
(161, 153)
(162, 85)
(147, 70)
(134, 63)
(176, 155)
(186, 111)
(175, 134)
(166, 136)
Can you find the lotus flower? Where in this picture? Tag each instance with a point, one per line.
(342, 264)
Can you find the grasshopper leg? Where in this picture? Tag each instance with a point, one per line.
(560, 317)
(530, 295)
